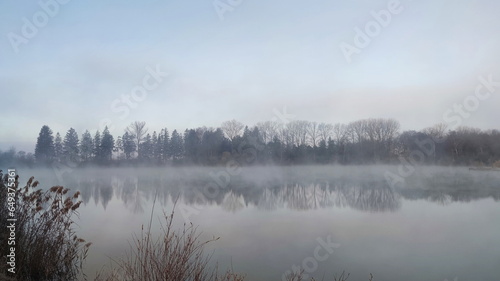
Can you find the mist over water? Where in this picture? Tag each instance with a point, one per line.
(325, 136)
(437, 224)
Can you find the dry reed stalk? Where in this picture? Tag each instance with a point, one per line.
(45, 245)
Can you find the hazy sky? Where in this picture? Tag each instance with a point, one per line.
(74, 64)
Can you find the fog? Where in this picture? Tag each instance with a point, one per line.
(271, 124)
(366, 188)
(269, 217)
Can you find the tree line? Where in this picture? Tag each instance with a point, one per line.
(365, 141)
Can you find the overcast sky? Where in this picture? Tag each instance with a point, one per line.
(73, 64)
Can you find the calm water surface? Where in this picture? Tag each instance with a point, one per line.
(441, 223)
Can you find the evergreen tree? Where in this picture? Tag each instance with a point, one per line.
(86, 146)
(58, 148)
(176, 146)
(118, 145)
(191, 146)
(70, 146)
(97, 146)
(146, 148)
(331, 150)
(166, 145)
(107, 145)
(213, 144)
(156, 140)
(129, 146)
(321, 152)
(44, 149)
(250, 146)
(277, 150)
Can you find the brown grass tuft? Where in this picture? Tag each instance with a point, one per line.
(44, 231)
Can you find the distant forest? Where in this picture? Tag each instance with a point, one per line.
(366, 141)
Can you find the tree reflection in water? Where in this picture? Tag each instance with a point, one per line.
(366, 193)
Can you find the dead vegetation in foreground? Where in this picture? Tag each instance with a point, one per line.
(174, 255)
(46, 245)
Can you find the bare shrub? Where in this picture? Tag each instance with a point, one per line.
(173, 256)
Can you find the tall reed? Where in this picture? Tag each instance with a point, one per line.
(47, 247)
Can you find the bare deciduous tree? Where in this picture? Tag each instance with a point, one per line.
(268, 130)
(312, 130)
(297, 132)
(232, 128)
(437, 132)
(325, 131)
(302, 127)
(138, 129)
(357, 130)
(339, 132)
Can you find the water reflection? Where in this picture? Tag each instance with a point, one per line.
(269, 218)
(371, 194)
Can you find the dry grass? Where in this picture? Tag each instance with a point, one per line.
(173, 256)
(46, 245)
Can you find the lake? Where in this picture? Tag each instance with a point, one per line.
(436, 223)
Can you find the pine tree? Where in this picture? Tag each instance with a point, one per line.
(146, 148)
(118, 145)
(129, 146)
(157, 147)
(330, 150)
(86, 146)
(107, 145)
(58, 148)
(165, 145)
(44, 149)
(191, 145)
(97, 146)
(176, 146)
(70, 146)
